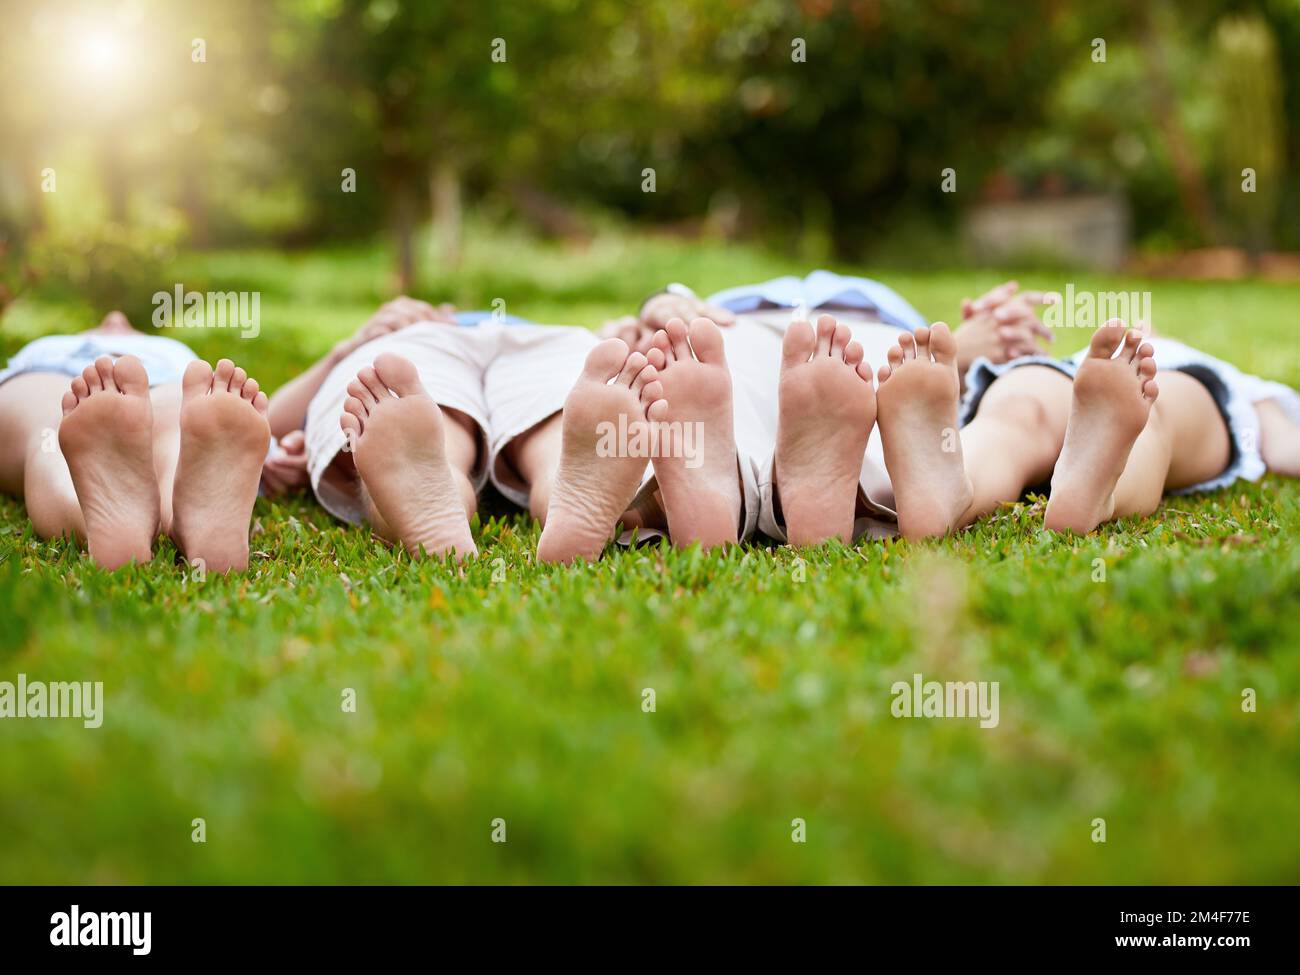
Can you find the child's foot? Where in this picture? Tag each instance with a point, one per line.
(917, 399)
(696, 466)
(1112, 401)
(828, 407)
(599, 471)
(399, 446)
(107, 439)
(224, 436)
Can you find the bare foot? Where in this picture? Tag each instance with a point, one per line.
(224, 436)
(604, 450)
(1112, 401)
(696, 465)
(399, 445)
(107, 439)
(917, 399)
(828, 407)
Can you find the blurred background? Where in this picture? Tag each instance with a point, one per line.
(421, 146)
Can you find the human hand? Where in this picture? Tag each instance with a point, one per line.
(285, 471)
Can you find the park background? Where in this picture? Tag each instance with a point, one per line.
(782, 136)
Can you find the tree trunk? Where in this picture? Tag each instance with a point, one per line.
(404, 235)
(445, 191)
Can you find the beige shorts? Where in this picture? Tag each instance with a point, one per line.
(505, 378)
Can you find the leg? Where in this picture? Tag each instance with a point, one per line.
(827, 410)
(605, 445)
(32, 466)
(535, 454)
(1185, 442)
(413, 463)
(1015, 438)
(1279, 439)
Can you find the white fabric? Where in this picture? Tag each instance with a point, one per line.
(164, 359)
(506, 378)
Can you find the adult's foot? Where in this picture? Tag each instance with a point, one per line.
(224, 436)
(399, 445)
(828, 407)
(605, 446)
(917, 412)
(1113, 395)
(106, 436)
(696, 464)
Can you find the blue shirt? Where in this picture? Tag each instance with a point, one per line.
(822, 288)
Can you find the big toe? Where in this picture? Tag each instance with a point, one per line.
(800, 340)
(942, 345)
(1106, 339)
(129, 374)
(606, 360)
(197, 379)
(706, 341)
(398, 374)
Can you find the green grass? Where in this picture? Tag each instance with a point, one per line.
(508, 689)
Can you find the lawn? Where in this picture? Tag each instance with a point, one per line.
(505, 690)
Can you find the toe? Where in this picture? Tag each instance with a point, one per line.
(197, 379)
(647, 375)
(69, 402)
(840, 341)
(1131, 342)
(885, 371)
(677, 335)
(798, 345)
(359, 392)
(942, 345)
(237, 380)
(249, 390)
(1150, 390)
(104, 366)
(922, 338)
(357, 407)
(398, 374)
(631, 369)
(368, 378)
(351, 426)
(825, 334)
(864, 371)
(906, 348)
(653, 392)
(657, 410)
(221, 375)
(854, 353)
(79, 388)
(895, 355)
(91, 376)
(605, 360)
(130, 377)
(1146, 368)
(664, 344)
(655, 357)
(706, 341)
(261, 403)
(1106, 340)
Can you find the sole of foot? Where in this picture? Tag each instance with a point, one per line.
(398, 439)
(605, 440)
(917, 401)
(1113, 396)
(106, 436)
(827, 410)
(696, 465)
(224, 436)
